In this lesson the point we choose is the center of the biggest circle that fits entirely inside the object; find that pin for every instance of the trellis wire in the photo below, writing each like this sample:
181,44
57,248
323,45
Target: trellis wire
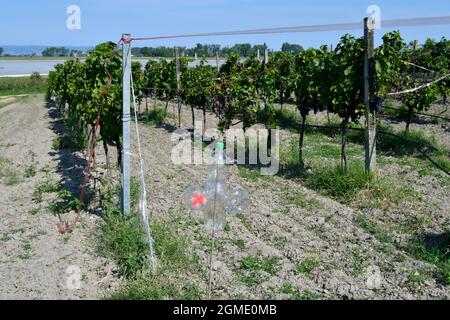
310,28
419,87
415,142
213,237
420,113
420,67
143,191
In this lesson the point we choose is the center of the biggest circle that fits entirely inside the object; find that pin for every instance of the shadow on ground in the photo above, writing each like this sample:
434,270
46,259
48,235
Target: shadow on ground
70,164
434,248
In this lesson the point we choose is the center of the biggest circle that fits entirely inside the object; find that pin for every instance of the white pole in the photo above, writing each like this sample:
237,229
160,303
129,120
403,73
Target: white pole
126,71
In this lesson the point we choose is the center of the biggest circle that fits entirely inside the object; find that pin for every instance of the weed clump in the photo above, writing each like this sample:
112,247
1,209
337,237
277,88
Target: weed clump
8,176
155,116
122,239
355,185
434,249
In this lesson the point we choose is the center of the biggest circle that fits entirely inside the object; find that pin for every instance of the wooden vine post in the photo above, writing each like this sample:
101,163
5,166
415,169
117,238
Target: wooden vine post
415,47
266,55
370,113
217,61
177,63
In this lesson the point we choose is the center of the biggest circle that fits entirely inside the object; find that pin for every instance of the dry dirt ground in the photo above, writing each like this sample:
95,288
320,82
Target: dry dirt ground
292,242
36,262
308,245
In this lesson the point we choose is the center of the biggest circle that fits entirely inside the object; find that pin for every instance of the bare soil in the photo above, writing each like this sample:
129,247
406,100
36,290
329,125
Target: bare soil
315,231
36,262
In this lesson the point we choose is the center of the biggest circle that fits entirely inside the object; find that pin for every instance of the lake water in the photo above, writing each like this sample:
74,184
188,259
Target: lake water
33,50
27,67
23,67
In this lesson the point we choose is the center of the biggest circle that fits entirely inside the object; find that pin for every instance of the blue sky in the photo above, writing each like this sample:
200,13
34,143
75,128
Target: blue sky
43,22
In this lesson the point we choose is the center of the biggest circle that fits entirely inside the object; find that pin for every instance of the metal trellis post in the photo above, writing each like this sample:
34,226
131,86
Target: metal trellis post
126,118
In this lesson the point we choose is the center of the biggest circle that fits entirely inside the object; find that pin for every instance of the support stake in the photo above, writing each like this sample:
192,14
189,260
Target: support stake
126,118
370,115
178,74
266,55
217,61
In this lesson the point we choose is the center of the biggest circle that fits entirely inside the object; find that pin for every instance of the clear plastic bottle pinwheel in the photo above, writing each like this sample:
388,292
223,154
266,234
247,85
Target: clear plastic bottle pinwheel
213,197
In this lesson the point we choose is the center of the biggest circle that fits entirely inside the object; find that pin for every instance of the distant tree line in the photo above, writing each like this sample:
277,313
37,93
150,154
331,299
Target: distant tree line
202,50
291,48
1,51
210,50
60,52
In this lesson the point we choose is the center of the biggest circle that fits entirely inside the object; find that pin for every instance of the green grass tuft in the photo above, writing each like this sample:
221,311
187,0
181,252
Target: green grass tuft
23,85
130,249
65,202
338,183
31,170
356,185
307,265
434,249
254,270
48,185
405,143
239,243
155,116
123,240
8,175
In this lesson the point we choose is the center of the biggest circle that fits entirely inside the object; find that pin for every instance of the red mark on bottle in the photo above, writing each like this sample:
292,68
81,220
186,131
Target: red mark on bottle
198,200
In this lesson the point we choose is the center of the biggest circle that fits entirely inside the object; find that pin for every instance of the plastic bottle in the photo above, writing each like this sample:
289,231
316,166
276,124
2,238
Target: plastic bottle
214,198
